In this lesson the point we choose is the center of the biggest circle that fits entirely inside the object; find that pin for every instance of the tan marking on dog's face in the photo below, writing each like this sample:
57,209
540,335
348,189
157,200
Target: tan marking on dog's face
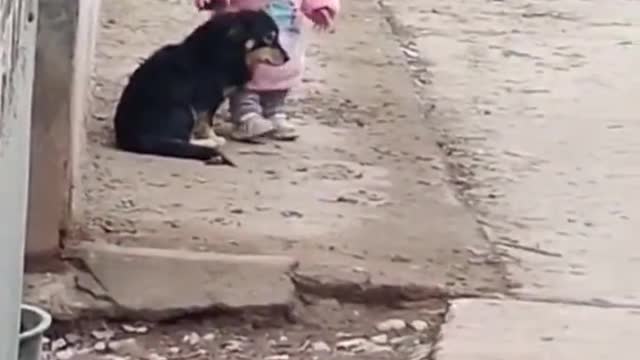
249,44
265,55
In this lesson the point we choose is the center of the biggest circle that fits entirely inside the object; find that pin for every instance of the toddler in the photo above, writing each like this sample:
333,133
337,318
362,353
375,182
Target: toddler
258,109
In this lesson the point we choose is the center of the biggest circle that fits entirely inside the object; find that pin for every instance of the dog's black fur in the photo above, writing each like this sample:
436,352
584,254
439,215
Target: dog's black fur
183,82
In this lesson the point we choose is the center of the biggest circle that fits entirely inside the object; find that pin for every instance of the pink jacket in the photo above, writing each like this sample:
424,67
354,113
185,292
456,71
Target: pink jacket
290,16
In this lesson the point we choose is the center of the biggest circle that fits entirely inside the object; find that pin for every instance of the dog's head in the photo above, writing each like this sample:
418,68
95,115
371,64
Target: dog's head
257,34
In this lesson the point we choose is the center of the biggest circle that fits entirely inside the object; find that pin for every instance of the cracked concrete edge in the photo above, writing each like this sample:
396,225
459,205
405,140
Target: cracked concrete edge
76,294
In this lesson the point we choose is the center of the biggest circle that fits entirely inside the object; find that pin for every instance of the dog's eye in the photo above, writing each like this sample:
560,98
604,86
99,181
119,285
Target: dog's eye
270,38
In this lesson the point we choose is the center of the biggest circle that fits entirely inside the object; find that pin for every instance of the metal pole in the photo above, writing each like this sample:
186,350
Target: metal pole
18,23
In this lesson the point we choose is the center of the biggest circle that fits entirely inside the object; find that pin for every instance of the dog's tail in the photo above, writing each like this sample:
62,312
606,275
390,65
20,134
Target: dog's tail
173,148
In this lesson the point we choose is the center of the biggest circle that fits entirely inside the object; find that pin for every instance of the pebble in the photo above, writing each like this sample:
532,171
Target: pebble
419,325
174,350
135,329
65,354
233,346
58,344
209,337
156,357
348,345
127,347
73,338
191,339
100,346
102,334
421,352
380,339
391,325
320,346
277,357
361,346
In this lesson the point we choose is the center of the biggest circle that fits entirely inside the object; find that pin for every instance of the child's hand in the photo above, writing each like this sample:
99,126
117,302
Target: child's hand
322,18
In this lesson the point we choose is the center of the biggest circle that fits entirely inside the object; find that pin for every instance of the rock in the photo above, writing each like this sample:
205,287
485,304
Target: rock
401,340
135,329
73,338
155,356
419,325
233,346
349,345
191,339
380,339
199,279
127,347
106,334
391,325
345,335
174,350
209,337
421,352
58,344
320,346
100,346
361,345
65,354
277,357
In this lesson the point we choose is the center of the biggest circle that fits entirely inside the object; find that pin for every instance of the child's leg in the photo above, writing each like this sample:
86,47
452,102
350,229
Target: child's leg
246,116
273,108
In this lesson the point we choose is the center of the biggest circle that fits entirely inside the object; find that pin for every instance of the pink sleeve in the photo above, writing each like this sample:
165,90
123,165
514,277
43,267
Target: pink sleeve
308,6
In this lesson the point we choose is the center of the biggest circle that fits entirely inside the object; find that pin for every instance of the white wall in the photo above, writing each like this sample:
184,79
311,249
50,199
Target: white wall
17,51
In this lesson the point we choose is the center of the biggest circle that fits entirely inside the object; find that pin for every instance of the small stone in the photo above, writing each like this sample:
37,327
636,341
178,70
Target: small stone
380,339
209,337
127,347
421,352
391,325
351,344
73,338
65,354
102,334
419,325
174,350
156,357
320,346
233,346
191,339
135,329
400,340
100,346
58,344
277,357
345,335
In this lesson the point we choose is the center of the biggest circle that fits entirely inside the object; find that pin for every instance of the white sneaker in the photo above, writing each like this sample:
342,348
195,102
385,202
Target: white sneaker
252,126
284,129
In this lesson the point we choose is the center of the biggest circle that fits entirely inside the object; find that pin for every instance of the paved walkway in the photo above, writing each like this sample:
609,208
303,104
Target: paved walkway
536,101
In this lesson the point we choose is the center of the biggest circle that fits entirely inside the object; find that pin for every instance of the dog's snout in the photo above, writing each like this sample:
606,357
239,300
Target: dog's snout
285,56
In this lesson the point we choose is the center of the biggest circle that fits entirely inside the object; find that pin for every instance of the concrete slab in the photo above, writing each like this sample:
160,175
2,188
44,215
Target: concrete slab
157,284
364,188
561,202
513,330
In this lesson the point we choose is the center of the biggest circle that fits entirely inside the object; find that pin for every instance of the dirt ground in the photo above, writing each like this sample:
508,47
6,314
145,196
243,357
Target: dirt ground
329,331
364,187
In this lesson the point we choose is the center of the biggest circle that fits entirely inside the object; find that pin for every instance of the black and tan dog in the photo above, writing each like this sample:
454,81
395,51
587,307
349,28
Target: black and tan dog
168,106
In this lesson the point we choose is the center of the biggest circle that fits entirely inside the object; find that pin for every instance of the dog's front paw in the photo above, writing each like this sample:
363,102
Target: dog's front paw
218,139
211,143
